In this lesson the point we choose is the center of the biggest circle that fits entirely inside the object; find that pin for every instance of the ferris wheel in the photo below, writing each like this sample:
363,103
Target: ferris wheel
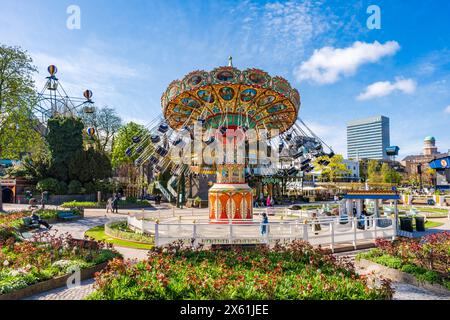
53,101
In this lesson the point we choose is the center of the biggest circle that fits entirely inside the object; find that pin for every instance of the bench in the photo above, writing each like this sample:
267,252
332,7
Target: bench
67,215
28,223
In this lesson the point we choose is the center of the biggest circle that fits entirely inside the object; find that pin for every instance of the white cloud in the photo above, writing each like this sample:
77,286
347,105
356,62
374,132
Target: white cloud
328,64
385,88
447,109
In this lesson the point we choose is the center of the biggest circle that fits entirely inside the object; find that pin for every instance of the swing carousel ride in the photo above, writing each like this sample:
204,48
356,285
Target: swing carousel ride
223,100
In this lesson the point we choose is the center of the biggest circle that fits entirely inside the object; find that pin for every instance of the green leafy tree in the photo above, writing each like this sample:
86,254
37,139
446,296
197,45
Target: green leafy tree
17,95
390,175
373,171
89,165
18,134
123,141
335,169
65,142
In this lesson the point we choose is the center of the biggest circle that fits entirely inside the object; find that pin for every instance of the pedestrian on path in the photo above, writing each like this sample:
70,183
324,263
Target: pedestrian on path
115,203
109,206
264,223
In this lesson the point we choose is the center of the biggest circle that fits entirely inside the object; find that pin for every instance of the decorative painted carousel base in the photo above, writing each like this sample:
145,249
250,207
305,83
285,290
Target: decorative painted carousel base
231,203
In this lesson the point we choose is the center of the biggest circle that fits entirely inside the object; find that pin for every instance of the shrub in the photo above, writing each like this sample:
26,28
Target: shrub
427,258
90,187
62,188
298,271
74,187
51,185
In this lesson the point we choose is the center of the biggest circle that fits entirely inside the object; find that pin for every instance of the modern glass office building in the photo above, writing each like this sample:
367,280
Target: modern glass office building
368,138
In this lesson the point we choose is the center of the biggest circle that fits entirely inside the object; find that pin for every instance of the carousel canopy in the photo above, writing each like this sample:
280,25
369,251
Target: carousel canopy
229,97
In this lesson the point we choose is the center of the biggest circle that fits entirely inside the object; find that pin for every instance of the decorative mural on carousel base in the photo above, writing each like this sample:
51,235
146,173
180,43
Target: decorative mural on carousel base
231,198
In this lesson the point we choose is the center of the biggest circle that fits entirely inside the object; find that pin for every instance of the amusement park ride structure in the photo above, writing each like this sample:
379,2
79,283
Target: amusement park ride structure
53,101
221,101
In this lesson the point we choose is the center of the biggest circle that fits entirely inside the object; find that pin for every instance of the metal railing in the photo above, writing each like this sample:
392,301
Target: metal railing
325,233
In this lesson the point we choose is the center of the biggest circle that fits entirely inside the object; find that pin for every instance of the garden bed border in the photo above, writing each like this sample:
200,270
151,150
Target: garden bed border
401,276
51,284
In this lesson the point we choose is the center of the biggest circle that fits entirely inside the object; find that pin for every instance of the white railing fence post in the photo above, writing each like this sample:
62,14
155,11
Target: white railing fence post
305,231
355,227
156,234
194,234
332,236
394,227
375,222
230,236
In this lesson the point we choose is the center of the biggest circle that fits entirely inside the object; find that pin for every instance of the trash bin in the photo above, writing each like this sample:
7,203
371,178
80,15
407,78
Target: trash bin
406,224
420,223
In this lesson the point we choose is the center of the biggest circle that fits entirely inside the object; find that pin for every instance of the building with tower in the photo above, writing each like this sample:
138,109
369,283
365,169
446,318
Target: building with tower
430,152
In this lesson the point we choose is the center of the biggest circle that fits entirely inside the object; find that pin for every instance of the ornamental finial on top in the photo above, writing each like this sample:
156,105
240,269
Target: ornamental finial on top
230,61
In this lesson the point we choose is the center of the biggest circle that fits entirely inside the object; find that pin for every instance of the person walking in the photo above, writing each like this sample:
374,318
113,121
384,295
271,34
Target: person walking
109,206
268,201
264,223
115,203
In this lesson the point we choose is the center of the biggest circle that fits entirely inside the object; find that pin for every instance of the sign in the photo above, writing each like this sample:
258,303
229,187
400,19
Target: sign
8,182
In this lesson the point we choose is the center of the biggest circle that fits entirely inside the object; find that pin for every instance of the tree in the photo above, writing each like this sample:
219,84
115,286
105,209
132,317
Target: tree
390,175
373,171
17,96
106,123
123,141
65,141
90,165
335,169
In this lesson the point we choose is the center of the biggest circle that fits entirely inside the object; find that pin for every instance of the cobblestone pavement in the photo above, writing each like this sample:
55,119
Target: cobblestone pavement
77,293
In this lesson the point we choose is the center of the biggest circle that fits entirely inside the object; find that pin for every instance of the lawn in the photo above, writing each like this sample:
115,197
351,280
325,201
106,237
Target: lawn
433,224
98,233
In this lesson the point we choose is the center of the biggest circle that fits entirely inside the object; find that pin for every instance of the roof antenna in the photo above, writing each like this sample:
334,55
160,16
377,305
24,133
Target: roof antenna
230,61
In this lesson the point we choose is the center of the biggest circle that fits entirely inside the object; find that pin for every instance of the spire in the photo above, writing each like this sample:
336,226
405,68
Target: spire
230,61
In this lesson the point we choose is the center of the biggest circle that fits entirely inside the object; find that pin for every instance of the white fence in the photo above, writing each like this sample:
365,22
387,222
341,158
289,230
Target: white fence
325,233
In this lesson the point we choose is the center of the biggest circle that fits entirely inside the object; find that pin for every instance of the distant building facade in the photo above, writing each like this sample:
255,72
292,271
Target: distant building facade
353,167
430,152
368,138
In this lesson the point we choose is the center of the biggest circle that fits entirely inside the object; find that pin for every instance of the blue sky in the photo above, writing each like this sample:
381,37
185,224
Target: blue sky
127,52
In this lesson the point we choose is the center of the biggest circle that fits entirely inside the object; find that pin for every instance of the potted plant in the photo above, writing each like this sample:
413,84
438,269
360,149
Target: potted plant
197,202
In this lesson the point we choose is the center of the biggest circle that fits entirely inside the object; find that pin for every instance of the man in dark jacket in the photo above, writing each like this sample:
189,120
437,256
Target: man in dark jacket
115,203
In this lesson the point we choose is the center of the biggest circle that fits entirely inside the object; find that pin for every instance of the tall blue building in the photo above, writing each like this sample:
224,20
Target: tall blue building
368,138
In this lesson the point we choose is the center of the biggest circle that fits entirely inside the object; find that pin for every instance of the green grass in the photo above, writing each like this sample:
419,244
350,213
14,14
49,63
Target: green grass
433,224
98,233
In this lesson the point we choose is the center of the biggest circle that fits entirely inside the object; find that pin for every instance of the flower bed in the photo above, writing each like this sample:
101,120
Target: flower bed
428,258
298,271
44,257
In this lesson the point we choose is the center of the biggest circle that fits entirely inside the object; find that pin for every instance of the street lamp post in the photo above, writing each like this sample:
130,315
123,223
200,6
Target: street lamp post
419,171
